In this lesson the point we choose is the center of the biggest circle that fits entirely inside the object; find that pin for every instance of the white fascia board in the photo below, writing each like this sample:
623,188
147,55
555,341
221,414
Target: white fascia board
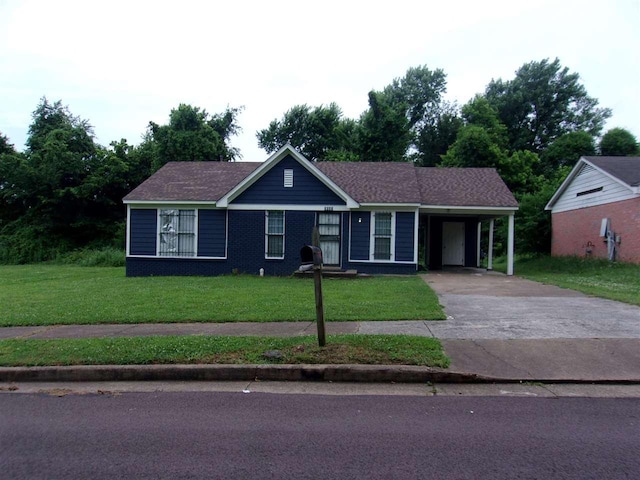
301,208
456,210
164,203
572,174
389,206
271,162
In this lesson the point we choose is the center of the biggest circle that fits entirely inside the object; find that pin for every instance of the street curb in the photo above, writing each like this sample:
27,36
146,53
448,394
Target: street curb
320,373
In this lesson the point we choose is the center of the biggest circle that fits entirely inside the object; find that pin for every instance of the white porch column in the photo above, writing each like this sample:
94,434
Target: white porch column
490,252
478,260
510,242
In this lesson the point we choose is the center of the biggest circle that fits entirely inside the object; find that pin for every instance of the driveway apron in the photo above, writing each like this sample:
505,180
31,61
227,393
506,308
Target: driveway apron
490,305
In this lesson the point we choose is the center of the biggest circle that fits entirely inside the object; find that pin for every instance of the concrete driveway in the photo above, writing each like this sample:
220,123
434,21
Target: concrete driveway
489,305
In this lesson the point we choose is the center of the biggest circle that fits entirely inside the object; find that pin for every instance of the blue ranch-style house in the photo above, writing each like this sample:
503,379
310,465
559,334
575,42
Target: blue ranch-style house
215,218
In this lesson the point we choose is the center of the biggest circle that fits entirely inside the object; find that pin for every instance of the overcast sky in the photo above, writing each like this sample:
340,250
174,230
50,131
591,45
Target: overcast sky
121,64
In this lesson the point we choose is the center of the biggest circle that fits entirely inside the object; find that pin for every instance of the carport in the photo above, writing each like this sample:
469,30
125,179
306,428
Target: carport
454,204
453,237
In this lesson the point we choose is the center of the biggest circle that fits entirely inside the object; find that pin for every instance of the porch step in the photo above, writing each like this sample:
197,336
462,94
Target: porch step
329,272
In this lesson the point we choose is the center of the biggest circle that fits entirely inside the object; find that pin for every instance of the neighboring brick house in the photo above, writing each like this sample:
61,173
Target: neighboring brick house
214,218
596,210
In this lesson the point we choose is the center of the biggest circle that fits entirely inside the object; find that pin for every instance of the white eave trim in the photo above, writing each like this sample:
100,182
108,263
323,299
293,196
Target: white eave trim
574,172
272,161
470,209
151,203
288,207
388,206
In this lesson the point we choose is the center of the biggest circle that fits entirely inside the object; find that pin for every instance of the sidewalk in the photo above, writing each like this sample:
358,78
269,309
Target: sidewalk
549,360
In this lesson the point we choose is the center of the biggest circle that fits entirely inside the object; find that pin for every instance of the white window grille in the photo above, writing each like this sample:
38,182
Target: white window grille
177,233
274,234
382,235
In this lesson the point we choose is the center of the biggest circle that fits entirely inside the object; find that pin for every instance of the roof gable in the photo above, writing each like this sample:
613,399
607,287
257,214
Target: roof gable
624,171
271,162
303,188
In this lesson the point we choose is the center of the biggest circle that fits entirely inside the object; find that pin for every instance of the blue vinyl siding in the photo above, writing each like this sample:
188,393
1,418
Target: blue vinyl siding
306,190
143,231
405,236
212,233
360,235
246,250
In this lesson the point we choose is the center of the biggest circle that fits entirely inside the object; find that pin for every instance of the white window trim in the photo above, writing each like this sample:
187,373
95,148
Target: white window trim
159,229
372,237
266,234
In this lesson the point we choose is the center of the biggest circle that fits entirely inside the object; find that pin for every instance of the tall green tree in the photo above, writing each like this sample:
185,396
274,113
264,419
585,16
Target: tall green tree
194,135
400,117
566,151
385,134
437,133
319,133
543,102
619,141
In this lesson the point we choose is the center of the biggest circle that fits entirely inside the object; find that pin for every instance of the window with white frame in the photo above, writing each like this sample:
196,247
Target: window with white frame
177,233
274,234
382,240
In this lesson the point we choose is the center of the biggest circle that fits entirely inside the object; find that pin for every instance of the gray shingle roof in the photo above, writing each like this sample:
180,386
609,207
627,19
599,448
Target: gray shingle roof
365,182
464,187
374,182
625,169
196,181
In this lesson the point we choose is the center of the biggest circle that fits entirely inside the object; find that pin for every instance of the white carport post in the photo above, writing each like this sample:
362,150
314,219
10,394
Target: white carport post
510,242
478,260
490,252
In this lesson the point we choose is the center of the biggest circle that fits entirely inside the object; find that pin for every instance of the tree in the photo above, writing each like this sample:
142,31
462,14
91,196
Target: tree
5,146
319,133
543,102
193,135
566,151
400,113
533,222
437,134
385,135
619,141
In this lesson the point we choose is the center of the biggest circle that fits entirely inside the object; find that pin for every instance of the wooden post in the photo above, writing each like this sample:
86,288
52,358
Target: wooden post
317,278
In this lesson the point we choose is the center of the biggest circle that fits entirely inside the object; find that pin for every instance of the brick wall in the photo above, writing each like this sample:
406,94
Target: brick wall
576,231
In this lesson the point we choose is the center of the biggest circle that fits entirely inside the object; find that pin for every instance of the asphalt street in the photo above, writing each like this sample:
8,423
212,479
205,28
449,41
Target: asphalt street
236,435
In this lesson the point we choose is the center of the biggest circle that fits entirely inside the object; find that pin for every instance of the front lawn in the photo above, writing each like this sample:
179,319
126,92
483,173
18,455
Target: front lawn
63,294
600,278
340,349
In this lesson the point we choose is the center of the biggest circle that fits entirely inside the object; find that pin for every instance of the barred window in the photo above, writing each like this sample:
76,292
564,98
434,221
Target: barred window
177,233
382,236
274,234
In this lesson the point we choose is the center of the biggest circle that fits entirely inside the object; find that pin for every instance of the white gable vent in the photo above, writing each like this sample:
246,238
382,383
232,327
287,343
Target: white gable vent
288,177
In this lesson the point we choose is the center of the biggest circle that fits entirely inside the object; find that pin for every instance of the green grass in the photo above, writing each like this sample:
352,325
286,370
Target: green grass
340,349
599,278
44,294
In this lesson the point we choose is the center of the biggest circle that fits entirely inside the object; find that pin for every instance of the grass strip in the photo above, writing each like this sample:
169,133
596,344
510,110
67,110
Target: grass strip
62,294
596,277
340,349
